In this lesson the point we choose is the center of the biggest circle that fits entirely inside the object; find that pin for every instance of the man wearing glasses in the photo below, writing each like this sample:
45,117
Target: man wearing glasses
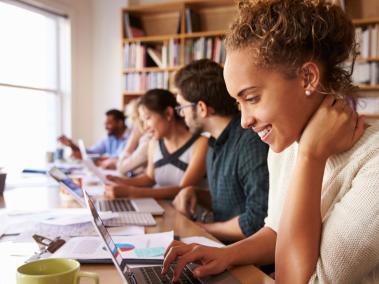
236,159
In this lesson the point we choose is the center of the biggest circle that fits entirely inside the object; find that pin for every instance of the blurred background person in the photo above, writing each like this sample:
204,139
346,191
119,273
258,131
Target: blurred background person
133,159
108,148
176,157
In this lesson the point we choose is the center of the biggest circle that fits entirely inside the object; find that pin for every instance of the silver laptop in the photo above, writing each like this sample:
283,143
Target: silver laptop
148,274
82,149
145,205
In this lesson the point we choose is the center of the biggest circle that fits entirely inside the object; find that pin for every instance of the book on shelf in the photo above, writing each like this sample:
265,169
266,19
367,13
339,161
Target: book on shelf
192,21
374,40
204,47
138,55
374,73
366,73
140,82
179,25
156,56
367,38
173,53
134,55
133,26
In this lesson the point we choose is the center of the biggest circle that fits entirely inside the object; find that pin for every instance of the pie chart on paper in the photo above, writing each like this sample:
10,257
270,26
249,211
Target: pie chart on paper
122,248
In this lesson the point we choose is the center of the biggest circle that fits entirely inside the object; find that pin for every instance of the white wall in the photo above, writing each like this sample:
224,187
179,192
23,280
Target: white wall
107,86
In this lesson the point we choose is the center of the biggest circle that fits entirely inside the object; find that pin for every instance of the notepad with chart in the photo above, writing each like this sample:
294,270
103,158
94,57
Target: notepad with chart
141,249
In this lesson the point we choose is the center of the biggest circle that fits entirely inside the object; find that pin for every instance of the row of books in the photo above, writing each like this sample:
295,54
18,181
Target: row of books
136,82
367,38
211,48
137,55
366,73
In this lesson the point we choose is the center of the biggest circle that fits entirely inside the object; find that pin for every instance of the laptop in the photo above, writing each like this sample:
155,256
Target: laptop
148,274
82,149
143,205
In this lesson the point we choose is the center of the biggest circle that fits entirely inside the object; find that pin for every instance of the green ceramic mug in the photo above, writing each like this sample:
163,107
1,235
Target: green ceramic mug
54,270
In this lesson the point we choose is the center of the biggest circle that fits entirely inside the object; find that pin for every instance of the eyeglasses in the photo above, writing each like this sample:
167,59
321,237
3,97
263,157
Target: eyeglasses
179,109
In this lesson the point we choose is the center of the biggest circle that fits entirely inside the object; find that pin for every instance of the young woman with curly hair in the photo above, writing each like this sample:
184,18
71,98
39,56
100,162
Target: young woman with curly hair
284,68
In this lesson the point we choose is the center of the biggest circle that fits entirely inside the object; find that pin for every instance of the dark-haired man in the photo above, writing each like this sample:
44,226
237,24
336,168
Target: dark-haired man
110,147
236,160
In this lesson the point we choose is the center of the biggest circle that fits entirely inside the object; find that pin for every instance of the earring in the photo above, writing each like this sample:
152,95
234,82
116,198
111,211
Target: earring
308,93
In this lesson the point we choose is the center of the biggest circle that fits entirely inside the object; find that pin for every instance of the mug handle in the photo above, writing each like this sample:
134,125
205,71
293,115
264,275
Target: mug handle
92,275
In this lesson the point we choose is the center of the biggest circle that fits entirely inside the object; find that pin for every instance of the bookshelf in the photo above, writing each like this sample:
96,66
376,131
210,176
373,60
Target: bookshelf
158,39
365,15
180,31
366,71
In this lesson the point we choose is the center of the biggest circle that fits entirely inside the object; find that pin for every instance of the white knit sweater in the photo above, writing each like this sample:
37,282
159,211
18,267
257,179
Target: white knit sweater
349,208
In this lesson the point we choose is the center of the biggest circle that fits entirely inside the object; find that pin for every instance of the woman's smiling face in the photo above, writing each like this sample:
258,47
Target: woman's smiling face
271,104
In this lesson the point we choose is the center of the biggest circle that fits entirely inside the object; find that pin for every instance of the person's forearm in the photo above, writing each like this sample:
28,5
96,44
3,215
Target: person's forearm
132,162
142,180
258,249
226,231
74,147
300,225
157,193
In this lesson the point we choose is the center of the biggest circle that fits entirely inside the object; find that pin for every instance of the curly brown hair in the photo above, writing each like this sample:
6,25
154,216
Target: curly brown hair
288,33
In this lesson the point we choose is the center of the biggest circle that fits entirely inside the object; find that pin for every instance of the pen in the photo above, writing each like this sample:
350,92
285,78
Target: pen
9,235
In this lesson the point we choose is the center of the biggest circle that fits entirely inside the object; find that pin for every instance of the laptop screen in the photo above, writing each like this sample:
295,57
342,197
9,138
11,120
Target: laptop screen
61,177
105,234
82,149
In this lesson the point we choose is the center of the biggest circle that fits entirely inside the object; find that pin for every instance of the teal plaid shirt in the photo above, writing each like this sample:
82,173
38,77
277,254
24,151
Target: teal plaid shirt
238,177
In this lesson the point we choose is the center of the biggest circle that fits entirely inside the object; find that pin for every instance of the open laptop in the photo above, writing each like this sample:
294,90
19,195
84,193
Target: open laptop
146,205
148,274
82,149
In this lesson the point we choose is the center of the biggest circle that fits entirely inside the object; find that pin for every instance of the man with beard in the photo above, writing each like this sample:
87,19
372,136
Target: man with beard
236,159
108,148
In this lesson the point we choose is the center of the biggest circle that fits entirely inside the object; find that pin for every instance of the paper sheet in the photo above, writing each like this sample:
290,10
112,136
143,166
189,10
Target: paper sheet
149,246
71,218
95,190
77,230
155,242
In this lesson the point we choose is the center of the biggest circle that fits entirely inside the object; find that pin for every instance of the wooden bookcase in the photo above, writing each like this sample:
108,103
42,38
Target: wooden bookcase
368,97
365,15
165,27
166,23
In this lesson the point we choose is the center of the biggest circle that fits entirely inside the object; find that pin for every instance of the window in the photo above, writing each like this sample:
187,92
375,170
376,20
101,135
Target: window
34,59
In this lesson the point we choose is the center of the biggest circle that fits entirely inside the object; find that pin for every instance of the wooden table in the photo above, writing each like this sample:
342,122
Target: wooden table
50,197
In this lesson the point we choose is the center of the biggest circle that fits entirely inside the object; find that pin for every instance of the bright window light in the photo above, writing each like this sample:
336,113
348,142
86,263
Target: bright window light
31,94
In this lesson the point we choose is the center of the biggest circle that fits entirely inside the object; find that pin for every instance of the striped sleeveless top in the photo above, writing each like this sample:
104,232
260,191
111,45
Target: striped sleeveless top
169,168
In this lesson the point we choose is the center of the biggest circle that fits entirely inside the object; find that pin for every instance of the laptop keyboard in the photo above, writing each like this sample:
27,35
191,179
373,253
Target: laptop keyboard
115,205
153,275
131,218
